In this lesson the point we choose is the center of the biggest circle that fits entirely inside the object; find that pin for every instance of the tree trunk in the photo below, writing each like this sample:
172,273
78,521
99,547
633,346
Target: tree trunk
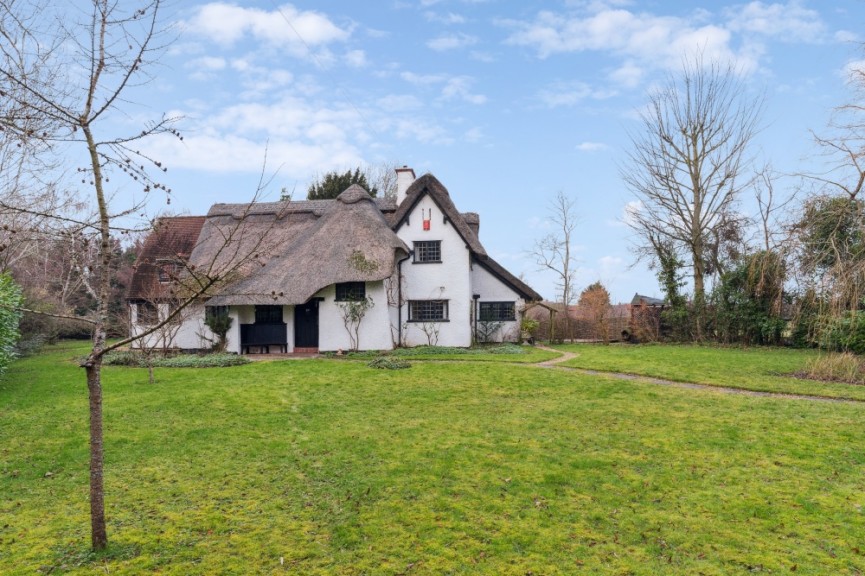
98,535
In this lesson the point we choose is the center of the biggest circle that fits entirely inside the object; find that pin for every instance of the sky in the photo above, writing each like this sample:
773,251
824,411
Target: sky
507,103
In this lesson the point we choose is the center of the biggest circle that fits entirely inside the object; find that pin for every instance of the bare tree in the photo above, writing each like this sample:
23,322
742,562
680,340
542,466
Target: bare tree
554,252
70,78
689,163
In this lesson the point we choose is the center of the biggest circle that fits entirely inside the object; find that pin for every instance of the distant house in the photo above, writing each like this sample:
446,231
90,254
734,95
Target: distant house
645,319
416,262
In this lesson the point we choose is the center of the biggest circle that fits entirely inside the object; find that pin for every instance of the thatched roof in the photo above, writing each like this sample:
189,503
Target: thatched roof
284,252
172,241
350,242
429,185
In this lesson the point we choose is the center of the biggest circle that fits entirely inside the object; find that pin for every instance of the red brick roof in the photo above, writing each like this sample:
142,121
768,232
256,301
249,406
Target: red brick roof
171,240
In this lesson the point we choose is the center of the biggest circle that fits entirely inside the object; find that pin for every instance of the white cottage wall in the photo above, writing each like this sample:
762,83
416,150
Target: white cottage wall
374,332
446,280
491,289
192,333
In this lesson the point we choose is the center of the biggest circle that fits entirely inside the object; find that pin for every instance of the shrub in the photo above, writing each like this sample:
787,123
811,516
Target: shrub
844,333
136,360
843,367
10,301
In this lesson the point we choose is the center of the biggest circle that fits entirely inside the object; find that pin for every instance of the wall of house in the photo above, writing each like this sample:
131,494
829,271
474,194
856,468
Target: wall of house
374,330
491,289
449,280
190,334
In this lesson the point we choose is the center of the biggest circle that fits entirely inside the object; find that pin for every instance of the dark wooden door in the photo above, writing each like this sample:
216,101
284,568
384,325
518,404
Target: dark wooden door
306,325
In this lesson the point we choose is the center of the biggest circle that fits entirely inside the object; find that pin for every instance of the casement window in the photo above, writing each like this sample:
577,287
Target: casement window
496,312
427,310
350,291
428,251
167,271
148,313
215,312
268,314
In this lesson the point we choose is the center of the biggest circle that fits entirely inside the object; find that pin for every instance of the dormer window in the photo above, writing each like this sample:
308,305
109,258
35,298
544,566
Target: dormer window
167,271
427,251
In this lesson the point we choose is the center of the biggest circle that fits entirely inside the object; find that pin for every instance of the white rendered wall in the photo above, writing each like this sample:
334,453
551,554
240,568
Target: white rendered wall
449,280
374,332
491,289
191,334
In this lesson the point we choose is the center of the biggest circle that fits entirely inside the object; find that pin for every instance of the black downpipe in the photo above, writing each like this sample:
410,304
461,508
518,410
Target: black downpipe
399,298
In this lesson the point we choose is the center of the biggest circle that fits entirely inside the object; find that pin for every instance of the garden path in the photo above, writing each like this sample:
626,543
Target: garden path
565,356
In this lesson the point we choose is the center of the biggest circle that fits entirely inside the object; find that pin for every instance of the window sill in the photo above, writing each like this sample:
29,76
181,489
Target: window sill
426,321
426,262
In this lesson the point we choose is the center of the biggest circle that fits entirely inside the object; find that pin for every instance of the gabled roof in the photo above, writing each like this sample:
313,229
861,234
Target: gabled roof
499,271
428,184
639,299
172,240
350,242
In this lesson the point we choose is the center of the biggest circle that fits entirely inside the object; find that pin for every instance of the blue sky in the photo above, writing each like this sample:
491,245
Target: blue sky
505,102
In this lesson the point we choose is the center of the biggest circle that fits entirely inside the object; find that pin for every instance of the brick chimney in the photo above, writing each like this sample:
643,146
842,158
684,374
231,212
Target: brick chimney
404,177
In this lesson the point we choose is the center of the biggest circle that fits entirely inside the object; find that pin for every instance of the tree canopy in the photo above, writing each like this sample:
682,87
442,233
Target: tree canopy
334,183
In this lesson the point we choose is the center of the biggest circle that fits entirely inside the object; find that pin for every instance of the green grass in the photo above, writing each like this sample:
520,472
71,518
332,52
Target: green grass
484,353
469,468
760,369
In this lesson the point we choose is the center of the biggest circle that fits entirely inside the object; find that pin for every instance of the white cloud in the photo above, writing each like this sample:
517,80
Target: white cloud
205,67
628,74
207,63
611,267
285,26
400,102
356,58
482,56
643,40
853,71
449,18
474,135
305,136
846,36
789,22
454,88
460,88
422,79
591,146
569,94
451,42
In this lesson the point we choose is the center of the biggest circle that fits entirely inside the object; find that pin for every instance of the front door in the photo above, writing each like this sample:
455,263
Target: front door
306,325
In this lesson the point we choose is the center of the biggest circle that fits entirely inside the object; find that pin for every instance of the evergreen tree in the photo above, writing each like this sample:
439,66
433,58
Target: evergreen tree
333,184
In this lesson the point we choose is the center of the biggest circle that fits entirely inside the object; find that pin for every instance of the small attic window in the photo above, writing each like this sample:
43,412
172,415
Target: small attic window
167,271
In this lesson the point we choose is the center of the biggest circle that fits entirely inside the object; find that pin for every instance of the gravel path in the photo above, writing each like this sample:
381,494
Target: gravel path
565,356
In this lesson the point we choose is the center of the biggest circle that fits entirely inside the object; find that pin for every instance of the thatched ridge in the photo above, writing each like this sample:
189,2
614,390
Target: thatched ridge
350,242
428,184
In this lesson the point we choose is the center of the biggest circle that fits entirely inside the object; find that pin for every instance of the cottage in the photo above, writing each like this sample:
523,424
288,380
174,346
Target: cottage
355,272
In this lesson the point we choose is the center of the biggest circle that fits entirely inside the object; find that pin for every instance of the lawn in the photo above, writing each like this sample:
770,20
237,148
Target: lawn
331,467
761,369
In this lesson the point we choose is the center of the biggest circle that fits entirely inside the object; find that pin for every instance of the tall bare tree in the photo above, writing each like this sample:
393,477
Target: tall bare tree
554,252
689,163
70,78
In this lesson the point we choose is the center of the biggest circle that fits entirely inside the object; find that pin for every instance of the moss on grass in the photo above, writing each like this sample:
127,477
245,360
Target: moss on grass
326,467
